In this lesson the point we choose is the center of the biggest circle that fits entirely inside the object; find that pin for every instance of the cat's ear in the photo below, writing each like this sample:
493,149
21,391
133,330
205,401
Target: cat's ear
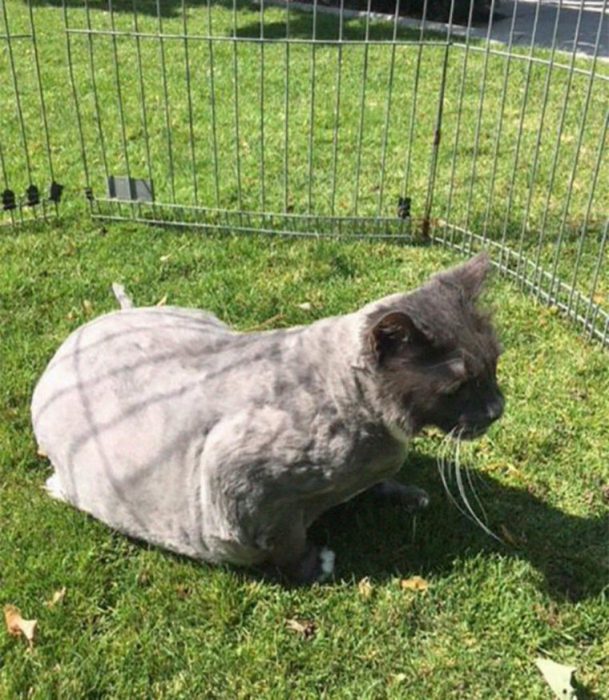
470,276
393,333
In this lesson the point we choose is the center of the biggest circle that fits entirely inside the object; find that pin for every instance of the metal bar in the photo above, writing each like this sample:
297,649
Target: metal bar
437,136
262,163
236,105
334,42
92,71
537,60
5,178
83,151
360,135
140,72
166,96
212,97
119,94
482,94
286,107
177,36
388,109
415,93
499,128
191,129
339,71
43,110
459,111
18,107
258,229
312,107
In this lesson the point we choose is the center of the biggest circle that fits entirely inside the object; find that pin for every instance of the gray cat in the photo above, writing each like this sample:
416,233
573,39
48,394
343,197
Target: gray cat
224,446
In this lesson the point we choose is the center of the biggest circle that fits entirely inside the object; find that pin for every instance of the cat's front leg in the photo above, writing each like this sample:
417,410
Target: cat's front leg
412,498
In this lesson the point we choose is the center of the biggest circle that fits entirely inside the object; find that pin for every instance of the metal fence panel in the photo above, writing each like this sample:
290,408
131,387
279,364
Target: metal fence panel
312,119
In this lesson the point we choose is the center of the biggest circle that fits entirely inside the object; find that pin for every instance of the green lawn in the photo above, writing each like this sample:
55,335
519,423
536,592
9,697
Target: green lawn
137,622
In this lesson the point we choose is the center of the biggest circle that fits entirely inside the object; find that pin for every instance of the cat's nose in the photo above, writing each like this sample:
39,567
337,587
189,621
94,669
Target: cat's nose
495,408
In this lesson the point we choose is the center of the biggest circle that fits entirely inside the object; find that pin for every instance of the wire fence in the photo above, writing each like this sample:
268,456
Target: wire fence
312,119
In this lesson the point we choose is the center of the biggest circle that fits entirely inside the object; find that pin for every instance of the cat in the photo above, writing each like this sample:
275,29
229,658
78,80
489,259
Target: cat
225,446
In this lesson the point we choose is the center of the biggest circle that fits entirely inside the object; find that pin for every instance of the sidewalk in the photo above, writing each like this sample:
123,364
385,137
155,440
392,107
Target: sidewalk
591,16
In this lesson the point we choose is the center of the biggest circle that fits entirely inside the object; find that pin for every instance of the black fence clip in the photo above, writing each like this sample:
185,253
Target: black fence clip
8,200
32,196
55,191
404,207
89,194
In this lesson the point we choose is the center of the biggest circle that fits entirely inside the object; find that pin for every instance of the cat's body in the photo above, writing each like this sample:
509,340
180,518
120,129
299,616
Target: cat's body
225,446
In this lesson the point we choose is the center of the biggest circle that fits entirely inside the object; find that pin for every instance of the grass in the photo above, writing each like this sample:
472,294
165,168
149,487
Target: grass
137,622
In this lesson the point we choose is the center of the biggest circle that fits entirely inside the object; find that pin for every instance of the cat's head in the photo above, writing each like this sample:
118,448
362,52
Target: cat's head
434,354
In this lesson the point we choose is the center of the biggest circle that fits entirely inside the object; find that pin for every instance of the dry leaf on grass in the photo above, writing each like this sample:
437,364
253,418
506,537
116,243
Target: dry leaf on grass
306,628
17,626
305,306
365,588
415,583
558,677
56,598
88,307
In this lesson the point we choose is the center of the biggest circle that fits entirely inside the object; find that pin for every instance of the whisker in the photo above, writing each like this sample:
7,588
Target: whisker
462,492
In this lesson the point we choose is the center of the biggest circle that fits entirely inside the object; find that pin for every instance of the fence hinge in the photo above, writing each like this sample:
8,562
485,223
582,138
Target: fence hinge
404,207
8,200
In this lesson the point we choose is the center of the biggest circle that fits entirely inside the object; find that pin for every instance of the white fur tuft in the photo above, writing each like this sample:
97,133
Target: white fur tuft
328,558
53,488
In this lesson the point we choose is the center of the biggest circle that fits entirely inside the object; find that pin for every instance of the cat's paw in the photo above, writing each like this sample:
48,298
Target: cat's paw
411,498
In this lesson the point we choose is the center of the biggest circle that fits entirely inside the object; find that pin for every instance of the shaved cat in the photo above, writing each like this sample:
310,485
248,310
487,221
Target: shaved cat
224,446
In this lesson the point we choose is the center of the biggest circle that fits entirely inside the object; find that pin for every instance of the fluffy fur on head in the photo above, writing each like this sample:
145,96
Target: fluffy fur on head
435,353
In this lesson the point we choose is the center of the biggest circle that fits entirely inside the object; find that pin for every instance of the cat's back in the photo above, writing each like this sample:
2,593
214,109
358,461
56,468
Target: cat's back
119,365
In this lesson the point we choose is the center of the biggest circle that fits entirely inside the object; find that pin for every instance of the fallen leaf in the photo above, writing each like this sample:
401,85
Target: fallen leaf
162,302
41,453
17,626
365,588
598,298
415,583
558,677
87,306
165,258
305,306
57,597
306,628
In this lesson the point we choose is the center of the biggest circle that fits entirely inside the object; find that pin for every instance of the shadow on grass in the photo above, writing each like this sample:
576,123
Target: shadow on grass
375,539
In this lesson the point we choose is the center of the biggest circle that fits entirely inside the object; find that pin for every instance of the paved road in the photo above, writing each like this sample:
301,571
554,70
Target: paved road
566,35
